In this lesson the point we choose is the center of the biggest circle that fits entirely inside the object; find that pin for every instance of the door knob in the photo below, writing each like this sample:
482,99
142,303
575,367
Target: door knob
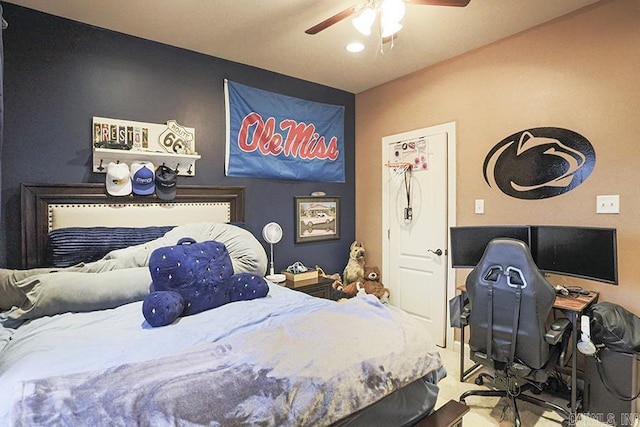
437,251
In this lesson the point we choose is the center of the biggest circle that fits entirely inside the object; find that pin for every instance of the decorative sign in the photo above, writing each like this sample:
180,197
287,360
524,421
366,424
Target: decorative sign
539,163
172,145
137,136
411,151
177,139
276,136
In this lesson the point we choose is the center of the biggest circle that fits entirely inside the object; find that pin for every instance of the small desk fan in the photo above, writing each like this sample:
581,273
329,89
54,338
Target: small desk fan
272,233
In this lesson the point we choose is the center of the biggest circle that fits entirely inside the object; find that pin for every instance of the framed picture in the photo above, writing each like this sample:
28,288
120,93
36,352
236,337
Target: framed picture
317,218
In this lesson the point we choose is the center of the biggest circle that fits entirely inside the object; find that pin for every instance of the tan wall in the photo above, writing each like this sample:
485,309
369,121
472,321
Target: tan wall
580,72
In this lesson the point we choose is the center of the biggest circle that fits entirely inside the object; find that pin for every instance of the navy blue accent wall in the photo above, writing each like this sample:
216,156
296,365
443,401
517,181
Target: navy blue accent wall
59,74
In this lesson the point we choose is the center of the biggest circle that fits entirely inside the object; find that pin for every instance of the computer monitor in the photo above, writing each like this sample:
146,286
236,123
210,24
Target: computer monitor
468,242
584,252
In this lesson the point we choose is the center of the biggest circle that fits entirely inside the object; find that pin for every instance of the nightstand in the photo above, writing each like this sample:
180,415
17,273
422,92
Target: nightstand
319,287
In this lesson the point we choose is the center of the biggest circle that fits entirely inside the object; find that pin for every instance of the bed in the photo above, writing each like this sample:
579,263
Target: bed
287,359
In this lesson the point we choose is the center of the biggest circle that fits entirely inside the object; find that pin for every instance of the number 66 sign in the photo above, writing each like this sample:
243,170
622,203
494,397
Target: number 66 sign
176,139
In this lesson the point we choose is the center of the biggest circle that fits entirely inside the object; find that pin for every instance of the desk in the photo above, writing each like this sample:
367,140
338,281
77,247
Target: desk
572,307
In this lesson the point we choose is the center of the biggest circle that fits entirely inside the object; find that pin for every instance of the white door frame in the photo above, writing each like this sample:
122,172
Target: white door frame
450,129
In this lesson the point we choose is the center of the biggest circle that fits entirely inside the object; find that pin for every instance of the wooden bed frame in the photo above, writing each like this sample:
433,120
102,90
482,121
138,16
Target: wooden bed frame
46,207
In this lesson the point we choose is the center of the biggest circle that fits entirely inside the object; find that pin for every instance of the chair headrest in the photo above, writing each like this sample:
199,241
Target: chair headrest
510,258
513,274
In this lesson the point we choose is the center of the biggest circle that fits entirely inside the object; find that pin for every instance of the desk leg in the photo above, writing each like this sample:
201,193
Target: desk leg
463,373
462,354
574,369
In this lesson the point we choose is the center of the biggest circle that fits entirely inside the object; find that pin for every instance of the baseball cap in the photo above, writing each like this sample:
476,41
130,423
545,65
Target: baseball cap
118,181
166,183
142,178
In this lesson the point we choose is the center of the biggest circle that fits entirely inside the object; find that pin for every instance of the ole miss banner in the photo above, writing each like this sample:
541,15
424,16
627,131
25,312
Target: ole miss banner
277,136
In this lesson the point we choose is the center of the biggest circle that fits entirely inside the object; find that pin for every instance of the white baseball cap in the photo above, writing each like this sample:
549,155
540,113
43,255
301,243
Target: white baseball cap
118,181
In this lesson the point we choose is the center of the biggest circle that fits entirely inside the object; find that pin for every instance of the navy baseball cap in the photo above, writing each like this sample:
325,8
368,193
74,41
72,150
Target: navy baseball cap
166,183
142,178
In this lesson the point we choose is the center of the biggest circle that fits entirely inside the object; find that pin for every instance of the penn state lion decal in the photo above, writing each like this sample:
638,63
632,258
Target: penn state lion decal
539,163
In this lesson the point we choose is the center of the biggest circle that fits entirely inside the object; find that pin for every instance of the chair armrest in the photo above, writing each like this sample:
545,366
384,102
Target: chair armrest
557,329
464,316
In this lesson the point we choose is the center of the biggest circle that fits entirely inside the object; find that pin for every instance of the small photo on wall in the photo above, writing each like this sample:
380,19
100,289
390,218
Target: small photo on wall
317,219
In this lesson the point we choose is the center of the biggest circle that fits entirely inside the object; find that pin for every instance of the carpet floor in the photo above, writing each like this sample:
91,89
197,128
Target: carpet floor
495,411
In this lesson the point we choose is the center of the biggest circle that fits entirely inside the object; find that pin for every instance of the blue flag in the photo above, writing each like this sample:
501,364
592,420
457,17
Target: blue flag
277,136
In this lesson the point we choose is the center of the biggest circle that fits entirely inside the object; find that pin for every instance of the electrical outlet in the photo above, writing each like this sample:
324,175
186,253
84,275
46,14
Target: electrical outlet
479,206
608,204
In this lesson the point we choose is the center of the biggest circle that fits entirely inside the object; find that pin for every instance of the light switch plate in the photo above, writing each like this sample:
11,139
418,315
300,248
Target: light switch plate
479,206
608,204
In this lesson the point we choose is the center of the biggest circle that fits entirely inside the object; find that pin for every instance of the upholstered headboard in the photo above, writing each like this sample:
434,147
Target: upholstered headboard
47,207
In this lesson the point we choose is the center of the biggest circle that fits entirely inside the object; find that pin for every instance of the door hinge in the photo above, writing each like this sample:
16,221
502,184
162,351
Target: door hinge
388,234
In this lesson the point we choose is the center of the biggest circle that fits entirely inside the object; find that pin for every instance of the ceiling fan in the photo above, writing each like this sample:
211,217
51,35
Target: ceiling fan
367,12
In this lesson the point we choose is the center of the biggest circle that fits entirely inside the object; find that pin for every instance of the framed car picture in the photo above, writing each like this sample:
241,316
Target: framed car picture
317,218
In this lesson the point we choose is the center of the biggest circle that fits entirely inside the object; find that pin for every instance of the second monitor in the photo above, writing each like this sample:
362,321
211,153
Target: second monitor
584,252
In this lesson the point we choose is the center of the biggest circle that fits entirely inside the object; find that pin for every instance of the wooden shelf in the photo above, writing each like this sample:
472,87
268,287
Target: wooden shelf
184,163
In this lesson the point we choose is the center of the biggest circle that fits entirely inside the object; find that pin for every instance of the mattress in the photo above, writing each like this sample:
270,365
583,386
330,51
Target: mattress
286,359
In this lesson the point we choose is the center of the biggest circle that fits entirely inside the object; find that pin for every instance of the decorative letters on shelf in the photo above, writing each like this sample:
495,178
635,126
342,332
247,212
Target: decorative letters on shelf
126,141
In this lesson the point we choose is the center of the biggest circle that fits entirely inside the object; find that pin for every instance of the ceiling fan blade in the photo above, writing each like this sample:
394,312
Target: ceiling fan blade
455,3
332,20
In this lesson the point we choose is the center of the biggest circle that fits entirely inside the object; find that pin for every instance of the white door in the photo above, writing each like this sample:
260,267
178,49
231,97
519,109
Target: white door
416,205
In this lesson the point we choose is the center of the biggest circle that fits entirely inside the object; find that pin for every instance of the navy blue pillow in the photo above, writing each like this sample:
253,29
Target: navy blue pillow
198,271
73,245
246,286
162,308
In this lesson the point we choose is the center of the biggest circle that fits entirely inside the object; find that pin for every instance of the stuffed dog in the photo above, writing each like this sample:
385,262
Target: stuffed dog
354,271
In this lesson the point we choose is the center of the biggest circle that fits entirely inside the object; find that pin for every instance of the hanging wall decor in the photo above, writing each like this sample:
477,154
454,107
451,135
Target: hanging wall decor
126,141
276,136
317,218
539,163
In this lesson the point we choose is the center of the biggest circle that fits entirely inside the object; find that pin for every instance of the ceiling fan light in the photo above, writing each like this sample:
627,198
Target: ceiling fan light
393,10
355,47
364,21
390,28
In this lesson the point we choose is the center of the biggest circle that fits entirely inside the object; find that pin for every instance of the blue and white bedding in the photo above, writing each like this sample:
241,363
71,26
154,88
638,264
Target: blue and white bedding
283,360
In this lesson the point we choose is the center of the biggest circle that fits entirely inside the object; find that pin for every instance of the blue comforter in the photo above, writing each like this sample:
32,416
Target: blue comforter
284,360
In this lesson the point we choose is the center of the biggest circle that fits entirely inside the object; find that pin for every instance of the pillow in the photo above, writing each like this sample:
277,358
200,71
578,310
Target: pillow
68,291
247,286
197,271
10,295
74,245
163,307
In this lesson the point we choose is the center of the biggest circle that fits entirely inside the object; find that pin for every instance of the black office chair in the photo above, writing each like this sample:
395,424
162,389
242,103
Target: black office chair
509,306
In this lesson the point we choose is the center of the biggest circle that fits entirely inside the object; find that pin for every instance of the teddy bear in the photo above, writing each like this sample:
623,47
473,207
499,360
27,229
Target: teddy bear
179,289
372,285
369,285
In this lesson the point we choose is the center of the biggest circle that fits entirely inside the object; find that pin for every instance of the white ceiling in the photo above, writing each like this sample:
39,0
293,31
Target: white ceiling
269,34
